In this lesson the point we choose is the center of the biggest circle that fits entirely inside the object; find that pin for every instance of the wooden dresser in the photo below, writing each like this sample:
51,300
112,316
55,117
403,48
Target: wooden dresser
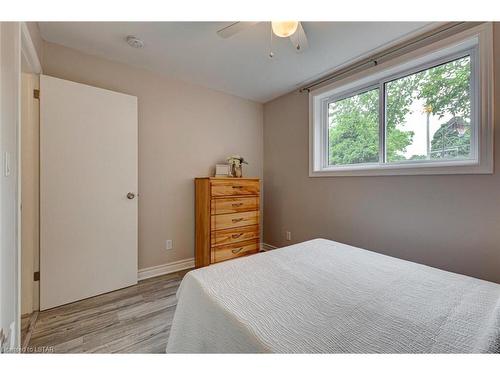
227,218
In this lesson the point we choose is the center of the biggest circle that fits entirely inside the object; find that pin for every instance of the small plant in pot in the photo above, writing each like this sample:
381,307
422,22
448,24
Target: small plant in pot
236,162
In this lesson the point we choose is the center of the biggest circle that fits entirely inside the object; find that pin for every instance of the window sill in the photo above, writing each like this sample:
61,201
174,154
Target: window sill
402,169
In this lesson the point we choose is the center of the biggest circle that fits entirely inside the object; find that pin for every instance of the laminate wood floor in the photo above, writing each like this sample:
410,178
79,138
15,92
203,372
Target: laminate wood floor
136,319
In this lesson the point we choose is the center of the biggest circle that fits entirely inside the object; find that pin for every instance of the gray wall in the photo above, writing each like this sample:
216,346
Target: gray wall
449,222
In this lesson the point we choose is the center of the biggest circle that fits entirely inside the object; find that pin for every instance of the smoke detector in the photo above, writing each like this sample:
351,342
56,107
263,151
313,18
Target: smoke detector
135,42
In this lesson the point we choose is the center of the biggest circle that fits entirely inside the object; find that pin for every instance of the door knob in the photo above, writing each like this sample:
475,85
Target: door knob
130,195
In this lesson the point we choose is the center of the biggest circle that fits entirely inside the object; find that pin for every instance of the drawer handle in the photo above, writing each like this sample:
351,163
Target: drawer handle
237,187
236,251
237,220
237,235
237,204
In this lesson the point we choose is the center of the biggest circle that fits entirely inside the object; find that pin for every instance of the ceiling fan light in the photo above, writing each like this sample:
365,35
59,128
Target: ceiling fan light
284,29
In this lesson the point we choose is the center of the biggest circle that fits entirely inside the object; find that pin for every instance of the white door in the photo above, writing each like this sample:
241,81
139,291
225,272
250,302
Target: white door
88,191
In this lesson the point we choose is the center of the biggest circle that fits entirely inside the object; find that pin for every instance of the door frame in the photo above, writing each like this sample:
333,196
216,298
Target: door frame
29,63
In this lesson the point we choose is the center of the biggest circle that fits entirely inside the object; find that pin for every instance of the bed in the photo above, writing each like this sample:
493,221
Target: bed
322,296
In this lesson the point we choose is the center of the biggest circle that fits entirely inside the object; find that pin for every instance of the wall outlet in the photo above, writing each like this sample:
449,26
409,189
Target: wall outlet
169,244
288,235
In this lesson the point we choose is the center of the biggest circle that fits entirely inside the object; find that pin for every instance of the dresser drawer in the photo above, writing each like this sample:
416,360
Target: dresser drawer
232,235
221,188
239,219
225,252
226,218
233,205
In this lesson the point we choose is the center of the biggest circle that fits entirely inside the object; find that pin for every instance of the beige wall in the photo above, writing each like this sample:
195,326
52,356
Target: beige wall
184,130
36,38
9,184
450,222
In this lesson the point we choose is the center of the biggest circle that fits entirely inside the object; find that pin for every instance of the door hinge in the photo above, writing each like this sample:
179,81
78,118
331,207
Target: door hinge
36,94
36,276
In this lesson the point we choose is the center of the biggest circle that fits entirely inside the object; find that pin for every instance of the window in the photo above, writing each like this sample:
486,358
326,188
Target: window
428,113
353,127
418,116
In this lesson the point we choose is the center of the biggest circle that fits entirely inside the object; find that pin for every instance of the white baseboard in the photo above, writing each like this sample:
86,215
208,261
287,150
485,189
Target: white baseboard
163,269
266,247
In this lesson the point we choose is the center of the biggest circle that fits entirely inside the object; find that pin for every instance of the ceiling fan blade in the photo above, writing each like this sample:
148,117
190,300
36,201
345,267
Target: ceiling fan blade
299,39
234,28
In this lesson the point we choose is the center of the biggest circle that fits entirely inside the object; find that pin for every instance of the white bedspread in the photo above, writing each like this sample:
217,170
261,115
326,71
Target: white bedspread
321,296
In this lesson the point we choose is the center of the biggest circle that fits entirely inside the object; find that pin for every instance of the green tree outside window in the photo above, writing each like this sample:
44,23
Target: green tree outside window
444,90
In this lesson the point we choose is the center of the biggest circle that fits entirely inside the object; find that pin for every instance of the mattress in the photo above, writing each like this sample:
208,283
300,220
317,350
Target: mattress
322,296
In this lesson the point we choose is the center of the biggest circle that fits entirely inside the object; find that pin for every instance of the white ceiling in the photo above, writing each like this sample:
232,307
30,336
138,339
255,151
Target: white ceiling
192,51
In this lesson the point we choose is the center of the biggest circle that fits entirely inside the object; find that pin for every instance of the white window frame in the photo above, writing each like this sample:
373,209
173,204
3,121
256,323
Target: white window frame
476,42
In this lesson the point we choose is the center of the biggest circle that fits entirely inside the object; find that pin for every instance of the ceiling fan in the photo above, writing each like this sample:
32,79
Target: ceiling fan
282,29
